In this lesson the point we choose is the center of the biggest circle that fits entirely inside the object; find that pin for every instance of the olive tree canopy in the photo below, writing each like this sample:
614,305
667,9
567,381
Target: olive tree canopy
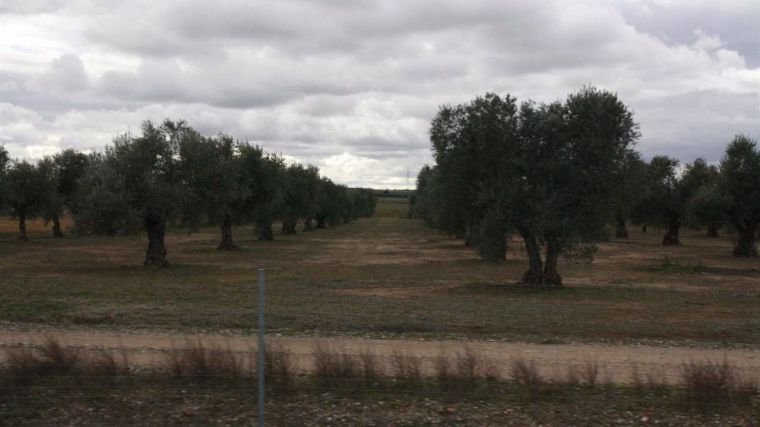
137,184
740,182
546,171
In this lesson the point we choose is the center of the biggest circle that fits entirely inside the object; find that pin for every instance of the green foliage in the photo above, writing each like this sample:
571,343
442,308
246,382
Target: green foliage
492,237
668,193
137,180
27,187
548,171
102,204
300,195
333,201
708,205
662,201
740,182
266,173
629,187
4,160
52,203
70,166
364,202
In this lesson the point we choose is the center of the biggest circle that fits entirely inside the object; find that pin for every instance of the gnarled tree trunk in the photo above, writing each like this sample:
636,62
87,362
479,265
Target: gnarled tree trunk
535,273
712,230
745,245
155,254
22,227
621,232
226,244
57,227
308,225
671,238
264,231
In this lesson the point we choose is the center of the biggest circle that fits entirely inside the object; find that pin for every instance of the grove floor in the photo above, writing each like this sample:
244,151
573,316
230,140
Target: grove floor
383,277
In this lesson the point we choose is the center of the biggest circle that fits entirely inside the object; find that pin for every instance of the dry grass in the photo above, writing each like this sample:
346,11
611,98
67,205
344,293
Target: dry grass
525,373
406,369
710,384
197,362
462,371
335,368
373,371
34,227
278,365
587,374
49,359
200,362
53,360
706,386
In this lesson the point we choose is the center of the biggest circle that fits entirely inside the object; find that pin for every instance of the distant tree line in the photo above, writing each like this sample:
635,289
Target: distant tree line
558,174
172,174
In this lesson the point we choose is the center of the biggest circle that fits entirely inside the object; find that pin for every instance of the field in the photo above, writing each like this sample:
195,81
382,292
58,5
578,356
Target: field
634,319
386,276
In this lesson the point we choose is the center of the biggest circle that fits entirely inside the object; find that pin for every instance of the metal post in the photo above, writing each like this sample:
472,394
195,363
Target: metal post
261,346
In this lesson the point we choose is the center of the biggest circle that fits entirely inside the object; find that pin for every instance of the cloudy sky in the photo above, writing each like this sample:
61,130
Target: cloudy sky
351,85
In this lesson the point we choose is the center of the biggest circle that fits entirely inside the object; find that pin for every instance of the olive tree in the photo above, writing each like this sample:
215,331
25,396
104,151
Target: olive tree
740,182
546,171
664,202
62,173
265,175
301,185
669,192
364,202
4,159
628,192
137,183
569,156
221,194
708,207
26,190
334,203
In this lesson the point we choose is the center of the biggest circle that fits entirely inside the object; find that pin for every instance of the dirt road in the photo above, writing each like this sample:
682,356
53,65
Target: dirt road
616,363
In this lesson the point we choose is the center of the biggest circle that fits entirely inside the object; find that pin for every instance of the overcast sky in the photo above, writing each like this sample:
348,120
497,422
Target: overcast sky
351,86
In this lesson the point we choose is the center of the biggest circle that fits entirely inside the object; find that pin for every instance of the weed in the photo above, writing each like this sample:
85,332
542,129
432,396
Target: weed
371,368
708,383
335,369
197,363
589,373
278,365
526,375
49,359
406,369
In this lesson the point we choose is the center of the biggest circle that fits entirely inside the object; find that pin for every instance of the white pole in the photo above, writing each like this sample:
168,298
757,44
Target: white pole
261,346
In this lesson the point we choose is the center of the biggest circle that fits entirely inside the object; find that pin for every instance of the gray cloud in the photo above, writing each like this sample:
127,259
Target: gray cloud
351,86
